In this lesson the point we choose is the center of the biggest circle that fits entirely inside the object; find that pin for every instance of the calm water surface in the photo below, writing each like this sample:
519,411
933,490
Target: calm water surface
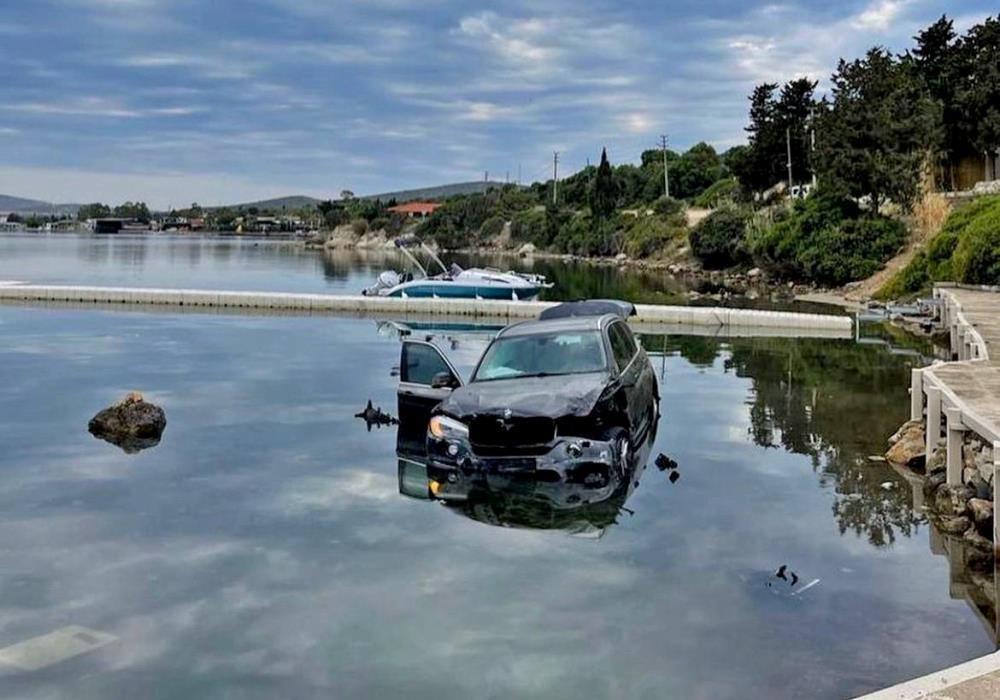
221,262
264,550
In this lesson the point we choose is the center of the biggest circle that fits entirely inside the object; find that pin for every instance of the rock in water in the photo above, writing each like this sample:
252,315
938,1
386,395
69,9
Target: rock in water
132,424
953,500
954,525
908,446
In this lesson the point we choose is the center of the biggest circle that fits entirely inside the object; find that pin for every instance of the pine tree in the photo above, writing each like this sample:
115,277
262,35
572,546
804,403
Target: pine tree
605,193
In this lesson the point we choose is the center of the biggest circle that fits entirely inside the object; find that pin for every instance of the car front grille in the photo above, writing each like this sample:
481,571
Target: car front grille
494,435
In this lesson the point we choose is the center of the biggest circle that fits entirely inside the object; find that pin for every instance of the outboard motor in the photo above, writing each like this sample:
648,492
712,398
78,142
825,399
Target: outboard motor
386,280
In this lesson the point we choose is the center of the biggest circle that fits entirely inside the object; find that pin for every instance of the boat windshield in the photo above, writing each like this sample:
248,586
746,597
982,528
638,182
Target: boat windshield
542,355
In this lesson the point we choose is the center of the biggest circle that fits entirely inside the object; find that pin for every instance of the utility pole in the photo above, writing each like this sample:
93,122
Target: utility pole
518,174
812,146
666,166
555,177
788,145
506,178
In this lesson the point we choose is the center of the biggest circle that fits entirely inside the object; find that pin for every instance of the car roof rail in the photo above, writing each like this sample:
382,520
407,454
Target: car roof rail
589,307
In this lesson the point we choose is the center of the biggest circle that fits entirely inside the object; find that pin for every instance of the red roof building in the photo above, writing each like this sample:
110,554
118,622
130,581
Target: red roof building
412,209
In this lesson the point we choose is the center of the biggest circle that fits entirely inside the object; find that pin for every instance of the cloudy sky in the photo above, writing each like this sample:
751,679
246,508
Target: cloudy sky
174,101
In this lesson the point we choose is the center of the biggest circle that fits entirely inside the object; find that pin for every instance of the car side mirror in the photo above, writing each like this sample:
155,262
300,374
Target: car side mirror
444,380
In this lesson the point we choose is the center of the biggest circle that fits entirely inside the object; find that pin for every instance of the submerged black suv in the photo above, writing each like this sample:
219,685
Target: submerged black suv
563,398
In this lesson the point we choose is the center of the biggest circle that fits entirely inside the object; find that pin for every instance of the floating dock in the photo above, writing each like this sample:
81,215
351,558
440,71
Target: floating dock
821,325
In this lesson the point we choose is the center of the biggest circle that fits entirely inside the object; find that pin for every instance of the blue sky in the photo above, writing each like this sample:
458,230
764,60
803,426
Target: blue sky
174,101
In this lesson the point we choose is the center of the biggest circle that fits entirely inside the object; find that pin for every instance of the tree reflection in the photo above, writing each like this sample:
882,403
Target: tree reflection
833,401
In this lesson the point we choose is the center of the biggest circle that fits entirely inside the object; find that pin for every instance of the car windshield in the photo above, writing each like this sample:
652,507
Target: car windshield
544,354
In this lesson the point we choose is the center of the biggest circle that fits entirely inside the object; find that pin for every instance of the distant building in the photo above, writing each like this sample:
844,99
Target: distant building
964,170
415,209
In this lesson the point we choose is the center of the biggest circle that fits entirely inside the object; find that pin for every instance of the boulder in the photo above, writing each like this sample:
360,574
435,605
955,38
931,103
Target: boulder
527,249
953,500
977,541
132,424
908,446
954,524
982,510
755,273
933,481
621,257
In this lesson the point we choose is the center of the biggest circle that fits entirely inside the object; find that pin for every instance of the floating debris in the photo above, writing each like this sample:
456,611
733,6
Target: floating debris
375,416
877,458
663,463
48,649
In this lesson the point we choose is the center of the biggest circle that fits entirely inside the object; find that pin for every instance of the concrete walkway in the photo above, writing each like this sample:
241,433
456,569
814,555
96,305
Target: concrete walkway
965,394
974,680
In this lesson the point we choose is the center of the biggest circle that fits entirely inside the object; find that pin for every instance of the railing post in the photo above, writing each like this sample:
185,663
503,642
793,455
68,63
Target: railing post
916,394
956,439
932,431
996,495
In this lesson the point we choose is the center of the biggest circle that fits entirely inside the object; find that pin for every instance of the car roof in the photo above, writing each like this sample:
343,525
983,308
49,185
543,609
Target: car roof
574,323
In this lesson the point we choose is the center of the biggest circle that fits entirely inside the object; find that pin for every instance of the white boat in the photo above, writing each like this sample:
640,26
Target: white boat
454,282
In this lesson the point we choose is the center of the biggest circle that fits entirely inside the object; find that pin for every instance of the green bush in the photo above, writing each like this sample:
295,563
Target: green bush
718,239
852,250
721,191
491,228
966,249
359,226
977,255
645,236
824,239
668,206
531,226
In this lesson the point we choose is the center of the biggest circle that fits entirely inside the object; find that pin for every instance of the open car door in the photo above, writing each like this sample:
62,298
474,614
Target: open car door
426,378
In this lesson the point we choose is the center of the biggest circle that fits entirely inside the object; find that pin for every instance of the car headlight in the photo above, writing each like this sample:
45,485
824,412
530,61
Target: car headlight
445,428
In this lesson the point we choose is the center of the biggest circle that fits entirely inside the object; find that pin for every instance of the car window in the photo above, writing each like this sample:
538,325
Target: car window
622,344
420,363
569,352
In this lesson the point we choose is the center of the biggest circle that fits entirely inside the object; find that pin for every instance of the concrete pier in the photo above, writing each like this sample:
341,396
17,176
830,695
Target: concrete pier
966,392
697,316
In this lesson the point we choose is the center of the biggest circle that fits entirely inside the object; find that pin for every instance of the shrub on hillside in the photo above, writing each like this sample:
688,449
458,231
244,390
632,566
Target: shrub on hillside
359,227
824,239
977,255
852,250
668,206
718,239
530,226
725,190
645,236
967,249
491,228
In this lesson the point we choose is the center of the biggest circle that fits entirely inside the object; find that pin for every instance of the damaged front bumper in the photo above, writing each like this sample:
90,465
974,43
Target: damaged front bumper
589,466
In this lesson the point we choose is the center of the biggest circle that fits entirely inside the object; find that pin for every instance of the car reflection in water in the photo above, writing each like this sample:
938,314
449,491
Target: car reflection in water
582,508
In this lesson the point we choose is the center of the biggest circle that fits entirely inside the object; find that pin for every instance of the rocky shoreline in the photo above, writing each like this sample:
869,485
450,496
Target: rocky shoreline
964,511
714,285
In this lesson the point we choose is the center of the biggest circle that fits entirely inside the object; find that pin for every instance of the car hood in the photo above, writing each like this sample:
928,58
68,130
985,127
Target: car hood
547,397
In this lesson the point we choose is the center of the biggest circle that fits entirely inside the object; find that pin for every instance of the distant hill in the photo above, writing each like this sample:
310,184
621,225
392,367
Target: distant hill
439,192
21,205
295,201
290,203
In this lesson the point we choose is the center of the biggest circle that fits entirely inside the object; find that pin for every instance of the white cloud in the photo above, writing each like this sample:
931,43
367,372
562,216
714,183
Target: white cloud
879,15
83,106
